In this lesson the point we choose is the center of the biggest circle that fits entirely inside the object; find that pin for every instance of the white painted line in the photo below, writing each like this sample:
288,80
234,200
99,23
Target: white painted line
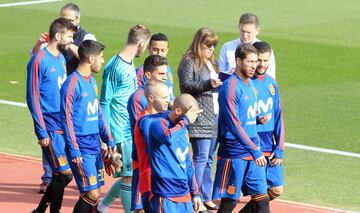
13,103
328,151
312,206
27,3
297,146
21,157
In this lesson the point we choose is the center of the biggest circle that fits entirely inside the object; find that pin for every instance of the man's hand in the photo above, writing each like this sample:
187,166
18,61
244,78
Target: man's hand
276,161
44,142
112,161
44,38
264,119
193,114
216,83
197,204
261,161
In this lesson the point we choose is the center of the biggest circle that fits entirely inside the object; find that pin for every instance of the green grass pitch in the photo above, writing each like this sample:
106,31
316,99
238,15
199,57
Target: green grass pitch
317,49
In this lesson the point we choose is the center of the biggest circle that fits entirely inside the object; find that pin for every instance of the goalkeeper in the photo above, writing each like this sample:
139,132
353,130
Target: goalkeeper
82,121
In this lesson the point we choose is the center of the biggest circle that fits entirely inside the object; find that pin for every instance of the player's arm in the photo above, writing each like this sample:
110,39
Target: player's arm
33,83
186,78
279,131
109,80
42,41
104,131
193,186
140,75
135,106
74,49
227,101
68,94
163,133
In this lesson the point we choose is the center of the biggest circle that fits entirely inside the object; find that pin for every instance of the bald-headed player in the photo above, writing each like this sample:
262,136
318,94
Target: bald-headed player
173,182
158,100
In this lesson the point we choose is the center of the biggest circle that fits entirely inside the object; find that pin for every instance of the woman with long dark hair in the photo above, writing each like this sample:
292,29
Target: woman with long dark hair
195,78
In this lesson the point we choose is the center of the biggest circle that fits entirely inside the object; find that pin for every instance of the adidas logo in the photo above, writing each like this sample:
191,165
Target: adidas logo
53,69
85,94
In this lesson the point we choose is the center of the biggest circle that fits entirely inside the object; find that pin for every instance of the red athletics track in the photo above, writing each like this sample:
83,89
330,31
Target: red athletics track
20,179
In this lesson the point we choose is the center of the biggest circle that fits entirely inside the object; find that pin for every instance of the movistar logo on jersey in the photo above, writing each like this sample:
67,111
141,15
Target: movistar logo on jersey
61,80
92,109
251,114
265,107
252,111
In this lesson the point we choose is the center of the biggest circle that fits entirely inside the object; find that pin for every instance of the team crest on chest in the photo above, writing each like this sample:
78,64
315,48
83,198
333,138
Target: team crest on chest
255,92
171,77
64,66
96,90
187,137
272,89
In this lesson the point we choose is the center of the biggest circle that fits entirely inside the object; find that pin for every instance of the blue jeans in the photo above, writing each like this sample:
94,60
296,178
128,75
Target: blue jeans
204,154
46,177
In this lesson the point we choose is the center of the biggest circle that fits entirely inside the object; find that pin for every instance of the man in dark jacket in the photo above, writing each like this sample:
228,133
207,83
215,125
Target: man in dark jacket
71,12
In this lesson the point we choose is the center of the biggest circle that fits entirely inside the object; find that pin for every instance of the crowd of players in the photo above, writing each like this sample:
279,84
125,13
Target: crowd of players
136,130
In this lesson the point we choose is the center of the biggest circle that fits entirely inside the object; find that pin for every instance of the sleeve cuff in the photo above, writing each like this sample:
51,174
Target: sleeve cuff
110,144
42,134
186,119
75,154
278,154
256,154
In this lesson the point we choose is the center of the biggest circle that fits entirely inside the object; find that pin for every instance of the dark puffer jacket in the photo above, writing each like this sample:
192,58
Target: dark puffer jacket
197,83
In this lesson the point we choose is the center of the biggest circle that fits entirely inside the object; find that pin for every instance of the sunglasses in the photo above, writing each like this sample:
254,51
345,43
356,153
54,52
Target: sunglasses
211,45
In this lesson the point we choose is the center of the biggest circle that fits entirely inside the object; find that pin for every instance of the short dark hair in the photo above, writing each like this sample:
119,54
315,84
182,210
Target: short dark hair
243,50
249,18
71,6
153,61
158,37
88,48
138,33
60,25
262,47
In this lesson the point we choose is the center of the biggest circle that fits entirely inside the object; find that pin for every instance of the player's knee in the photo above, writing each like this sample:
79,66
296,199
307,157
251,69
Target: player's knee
126,180
93,194
278,189
65,178
275,192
